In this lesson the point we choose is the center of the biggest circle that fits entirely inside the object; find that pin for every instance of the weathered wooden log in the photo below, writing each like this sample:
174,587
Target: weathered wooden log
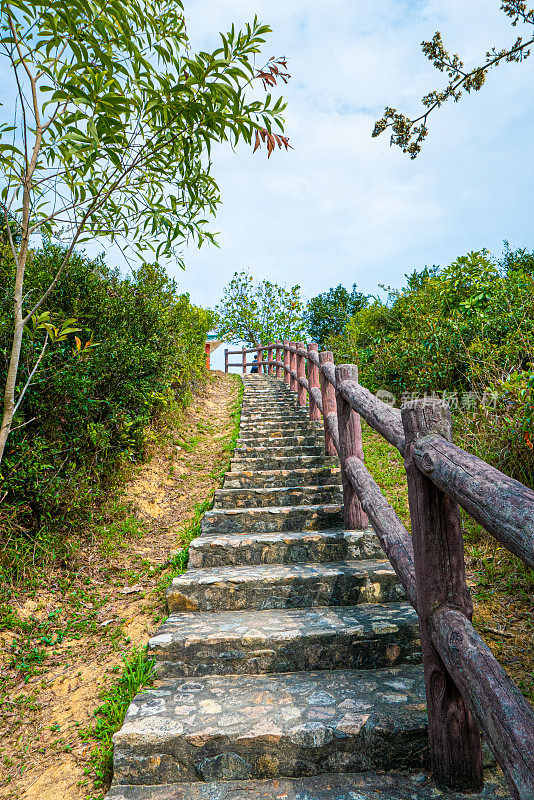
269,360
394,538
313,357
383,418
317,399
313,380
303,384
350,446
503,713
293,365
500,504
331,423
453,732
328,370
287,362
277,360
301,373
243,361
328,396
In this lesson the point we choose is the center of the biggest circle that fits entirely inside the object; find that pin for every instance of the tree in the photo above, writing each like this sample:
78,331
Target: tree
409,134
329,312
259,313
112,131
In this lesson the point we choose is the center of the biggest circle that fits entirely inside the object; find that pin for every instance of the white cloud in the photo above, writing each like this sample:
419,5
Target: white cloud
342,207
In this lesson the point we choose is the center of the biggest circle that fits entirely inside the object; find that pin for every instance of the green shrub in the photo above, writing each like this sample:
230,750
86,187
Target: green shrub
85,415
466,329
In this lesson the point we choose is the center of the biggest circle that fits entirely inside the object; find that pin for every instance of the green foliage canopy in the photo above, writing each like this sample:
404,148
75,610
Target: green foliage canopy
258,313
116,118
85,416
465,330
329,312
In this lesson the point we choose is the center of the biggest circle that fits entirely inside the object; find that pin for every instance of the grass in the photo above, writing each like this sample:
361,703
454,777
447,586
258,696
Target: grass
137,672
502,586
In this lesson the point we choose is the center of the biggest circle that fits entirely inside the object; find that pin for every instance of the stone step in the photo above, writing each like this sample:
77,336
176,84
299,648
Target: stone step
284,548
344,583
266,440
281,725
277,518
280,496
267,452
275,416
282,477
298,429
333,786
289,640
282,462
279,406
254,401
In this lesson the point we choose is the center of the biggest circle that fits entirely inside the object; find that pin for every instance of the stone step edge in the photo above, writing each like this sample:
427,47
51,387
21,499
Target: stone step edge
253,633
330,786
214,550
281,510
266,489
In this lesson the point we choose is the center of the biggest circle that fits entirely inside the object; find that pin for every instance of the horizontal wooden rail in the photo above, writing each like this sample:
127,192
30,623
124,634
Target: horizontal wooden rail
492,697
507,511
394,538
383,418
466,686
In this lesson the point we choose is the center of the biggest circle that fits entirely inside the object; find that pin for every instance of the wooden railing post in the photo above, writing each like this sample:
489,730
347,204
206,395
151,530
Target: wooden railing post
278,358
454,734
270,360
301,373
287,361
350,444
226,360
244,361
328,394
293,365
314,382
258,357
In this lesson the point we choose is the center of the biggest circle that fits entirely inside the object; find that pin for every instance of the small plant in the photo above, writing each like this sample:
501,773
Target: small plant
137,672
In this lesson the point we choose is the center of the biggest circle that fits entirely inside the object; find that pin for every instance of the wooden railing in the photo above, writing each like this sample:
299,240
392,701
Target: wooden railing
467,690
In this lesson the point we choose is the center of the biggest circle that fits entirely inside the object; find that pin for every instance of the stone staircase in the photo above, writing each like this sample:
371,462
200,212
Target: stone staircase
289,666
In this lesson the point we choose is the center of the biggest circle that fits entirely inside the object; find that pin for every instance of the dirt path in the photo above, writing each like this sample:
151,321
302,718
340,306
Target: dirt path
64,643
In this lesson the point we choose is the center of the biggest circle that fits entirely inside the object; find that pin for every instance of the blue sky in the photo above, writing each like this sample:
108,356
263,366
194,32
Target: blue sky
343,207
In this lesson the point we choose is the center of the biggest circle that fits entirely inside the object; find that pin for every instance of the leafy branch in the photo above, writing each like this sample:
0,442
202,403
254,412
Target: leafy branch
409,134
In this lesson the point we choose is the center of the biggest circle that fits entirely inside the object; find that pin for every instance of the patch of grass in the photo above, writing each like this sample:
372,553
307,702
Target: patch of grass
189,444
114,536
138,672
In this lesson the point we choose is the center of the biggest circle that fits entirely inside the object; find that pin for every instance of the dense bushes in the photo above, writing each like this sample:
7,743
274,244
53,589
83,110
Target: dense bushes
466,330
85,415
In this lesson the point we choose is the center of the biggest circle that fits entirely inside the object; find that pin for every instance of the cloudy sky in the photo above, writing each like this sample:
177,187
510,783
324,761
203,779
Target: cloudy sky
343,207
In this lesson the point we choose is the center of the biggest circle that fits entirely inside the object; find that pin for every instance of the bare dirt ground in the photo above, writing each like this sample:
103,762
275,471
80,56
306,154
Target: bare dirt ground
88,617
